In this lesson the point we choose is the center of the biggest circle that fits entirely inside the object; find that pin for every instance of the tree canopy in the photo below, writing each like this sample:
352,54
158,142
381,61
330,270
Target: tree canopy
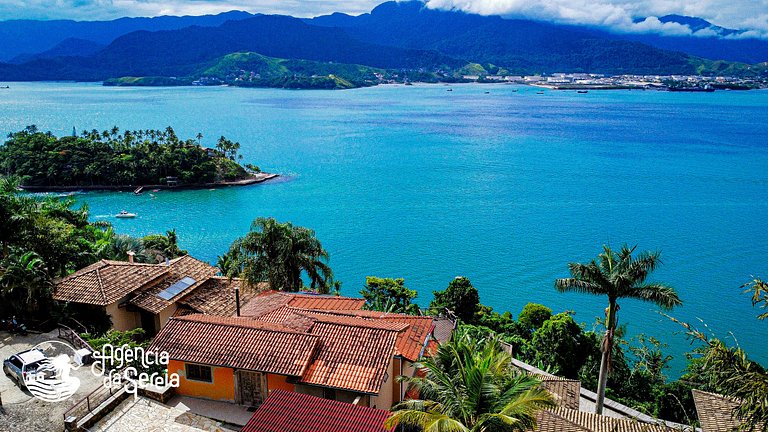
115,158
389,295
460,297
471,385
279,253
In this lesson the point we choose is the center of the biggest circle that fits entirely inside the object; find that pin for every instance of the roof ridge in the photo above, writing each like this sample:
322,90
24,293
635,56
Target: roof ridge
257,324
356,324
101,284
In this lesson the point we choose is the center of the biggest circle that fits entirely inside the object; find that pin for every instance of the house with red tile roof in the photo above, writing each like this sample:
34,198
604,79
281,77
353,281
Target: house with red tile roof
303,311
242,360
295,412
146,295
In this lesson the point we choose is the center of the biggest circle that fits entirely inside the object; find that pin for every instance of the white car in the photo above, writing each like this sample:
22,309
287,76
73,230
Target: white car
28,365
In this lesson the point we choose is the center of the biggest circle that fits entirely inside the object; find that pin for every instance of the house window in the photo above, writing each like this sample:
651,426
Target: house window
329,394
199,373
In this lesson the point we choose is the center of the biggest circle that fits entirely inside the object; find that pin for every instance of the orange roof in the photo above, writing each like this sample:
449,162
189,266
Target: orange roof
413,330
351,357
106,282
240,343
268,301
323,302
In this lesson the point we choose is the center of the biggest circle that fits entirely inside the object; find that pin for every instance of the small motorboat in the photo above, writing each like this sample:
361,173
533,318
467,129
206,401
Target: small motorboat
582,91
138,190
125,215
541,92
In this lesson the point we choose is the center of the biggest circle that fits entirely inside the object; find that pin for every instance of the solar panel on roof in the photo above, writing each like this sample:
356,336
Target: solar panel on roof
174,290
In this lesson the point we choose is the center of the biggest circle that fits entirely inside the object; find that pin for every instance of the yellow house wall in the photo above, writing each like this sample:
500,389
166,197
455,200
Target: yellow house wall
222,388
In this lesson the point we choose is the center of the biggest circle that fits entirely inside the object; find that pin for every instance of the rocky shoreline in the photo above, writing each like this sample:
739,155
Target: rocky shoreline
254,179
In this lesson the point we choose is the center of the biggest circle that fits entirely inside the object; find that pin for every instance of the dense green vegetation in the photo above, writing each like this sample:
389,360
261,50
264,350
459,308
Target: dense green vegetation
115,158
44,239
470,384
279,253
389,295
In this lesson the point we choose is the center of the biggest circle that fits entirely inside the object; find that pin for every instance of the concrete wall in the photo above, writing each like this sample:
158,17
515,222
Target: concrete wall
385,397
162,318
408,370
222,388
122,319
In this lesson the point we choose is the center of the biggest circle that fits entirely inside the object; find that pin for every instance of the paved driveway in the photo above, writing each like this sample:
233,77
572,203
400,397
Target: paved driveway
23,412
145,415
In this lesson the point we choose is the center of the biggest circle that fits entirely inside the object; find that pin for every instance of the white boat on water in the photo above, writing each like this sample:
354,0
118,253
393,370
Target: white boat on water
125,215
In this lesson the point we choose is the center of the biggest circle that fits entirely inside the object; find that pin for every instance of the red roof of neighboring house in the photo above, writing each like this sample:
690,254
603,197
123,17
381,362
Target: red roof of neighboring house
240,343
351,357
413,330
268,301
295,412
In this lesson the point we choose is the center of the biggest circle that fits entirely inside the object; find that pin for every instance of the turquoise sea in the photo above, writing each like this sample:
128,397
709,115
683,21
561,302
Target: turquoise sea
505,187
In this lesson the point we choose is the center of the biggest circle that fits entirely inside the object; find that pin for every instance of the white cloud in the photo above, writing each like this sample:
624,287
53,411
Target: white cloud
751,15
620,14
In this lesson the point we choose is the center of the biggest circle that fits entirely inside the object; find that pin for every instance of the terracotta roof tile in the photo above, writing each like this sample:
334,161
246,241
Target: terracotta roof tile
569,420
351,357
216,296
325,302
414,330
443,329
240,343
270,300
566,391
295,412
715,412
106,282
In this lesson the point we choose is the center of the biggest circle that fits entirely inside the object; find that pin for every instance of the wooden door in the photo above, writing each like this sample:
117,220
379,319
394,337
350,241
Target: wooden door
252,388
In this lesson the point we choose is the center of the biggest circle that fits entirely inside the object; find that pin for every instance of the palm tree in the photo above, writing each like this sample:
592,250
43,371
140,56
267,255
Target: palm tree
24,282
471,385
280,253
617,275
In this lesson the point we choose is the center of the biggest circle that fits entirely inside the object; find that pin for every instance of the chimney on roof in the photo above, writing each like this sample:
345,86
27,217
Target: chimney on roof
131,254
237,300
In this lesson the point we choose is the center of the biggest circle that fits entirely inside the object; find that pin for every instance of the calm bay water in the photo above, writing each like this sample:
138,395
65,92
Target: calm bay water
505,188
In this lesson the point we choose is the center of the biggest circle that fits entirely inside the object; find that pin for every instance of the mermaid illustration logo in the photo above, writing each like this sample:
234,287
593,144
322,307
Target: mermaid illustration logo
52,381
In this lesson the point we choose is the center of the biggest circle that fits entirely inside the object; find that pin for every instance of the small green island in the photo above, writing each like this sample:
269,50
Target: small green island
115,159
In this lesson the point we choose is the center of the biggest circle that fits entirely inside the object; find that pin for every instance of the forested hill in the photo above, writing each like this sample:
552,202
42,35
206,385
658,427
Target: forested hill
396,36
115,158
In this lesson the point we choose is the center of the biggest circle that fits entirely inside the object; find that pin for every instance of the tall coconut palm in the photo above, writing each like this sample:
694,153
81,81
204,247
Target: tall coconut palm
617,275
280,253
471,385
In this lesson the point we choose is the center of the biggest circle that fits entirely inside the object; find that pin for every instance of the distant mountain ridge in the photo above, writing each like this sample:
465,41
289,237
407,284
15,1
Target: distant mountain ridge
394,36
29,37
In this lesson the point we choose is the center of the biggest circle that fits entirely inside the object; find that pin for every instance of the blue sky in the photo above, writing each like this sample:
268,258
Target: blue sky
618,14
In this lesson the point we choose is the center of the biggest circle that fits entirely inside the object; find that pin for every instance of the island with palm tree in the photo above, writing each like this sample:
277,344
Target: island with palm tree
123,160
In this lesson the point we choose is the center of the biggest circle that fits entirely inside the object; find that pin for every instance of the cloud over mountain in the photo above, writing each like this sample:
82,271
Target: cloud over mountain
629,16
622,15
